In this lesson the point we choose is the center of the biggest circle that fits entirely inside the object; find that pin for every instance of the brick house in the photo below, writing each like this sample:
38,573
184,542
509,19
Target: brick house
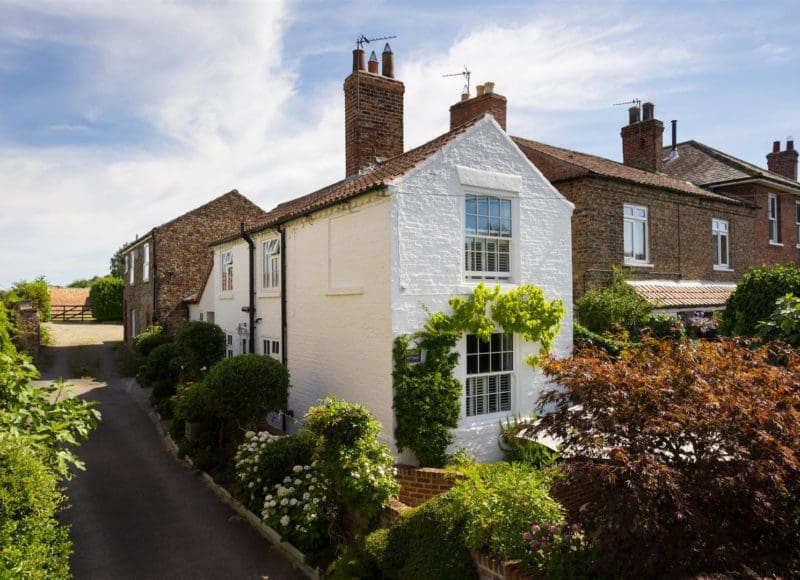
775,192
327,281
173,259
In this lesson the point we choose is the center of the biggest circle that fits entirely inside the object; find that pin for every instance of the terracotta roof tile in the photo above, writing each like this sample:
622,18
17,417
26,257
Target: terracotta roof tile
570,164
378,176
68,296
705,165
667,294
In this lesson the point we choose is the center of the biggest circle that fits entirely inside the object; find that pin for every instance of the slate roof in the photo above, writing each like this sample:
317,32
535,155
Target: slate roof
704,165
670,294
568,164
376,177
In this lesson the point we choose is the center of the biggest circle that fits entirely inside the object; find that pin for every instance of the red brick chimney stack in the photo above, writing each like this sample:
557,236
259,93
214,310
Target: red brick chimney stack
486,101
387,62
373,112
783,162
642,141
372,65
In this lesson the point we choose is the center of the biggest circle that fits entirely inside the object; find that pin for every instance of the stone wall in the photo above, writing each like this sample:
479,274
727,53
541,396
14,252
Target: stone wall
28,323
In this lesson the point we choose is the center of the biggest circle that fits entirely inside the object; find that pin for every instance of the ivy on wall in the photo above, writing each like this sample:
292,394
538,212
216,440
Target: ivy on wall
426,395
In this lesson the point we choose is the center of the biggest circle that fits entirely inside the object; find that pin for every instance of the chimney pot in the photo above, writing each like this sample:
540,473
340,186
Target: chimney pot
674,134
387,61
373,63
648,110
488,88
642,141
790,144
479,90
358,60
776,146
783,162
633,115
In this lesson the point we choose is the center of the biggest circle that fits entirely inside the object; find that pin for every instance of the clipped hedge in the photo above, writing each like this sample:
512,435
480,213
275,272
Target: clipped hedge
613,307
201,345
423,542
151,337
105,296
755,296
32,543
161,370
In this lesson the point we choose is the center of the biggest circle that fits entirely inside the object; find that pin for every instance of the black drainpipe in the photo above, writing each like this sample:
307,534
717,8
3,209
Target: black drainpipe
284,326
251,307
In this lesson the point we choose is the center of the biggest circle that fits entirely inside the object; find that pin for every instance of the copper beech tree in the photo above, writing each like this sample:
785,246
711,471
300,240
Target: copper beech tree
692,449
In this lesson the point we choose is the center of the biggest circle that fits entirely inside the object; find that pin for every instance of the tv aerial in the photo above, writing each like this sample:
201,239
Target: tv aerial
466,74
362,40
637,102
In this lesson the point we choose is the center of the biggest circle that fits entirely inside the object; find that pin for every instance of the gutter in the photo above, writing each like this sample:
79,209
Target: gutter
251,307
284,325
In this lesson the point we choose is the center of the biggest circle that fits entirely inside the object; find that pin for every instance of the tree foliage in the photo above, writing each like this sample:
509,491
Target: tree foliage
201,346
106,298
692,447
37,292
755,296
613,307
784,322
84,282
116,266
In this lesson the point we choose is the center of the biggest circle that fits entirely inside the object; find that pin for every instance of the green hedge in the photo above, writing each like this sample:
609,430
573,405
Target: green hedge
105,296
202,345
583,337
151,337
755,296
32,543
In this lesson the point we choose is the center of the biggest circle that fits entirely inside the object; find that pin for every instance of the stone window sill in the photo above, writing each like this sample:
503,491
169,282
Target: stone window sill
639,265
723,269
771,243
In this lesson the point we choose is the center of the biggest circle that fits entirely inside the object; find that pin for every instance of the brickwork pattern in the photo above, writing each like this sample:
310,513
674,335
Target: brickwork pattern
419,484
642,145
180,258
784,162
492,103
373,119
765,253
680,238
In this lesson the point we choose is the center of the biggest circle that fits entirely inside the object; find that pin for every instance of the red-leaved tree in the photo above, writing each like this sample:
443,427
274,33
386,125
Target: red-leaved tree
693,449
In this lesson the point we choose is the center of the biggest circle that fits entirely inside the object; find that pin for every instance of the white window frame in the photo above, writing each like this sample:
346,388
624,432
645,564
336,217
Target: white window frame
271,264
226,262
635,220
271,347
146,263
132,272
721,234
797,221
479,245
489,388
773,219
228,346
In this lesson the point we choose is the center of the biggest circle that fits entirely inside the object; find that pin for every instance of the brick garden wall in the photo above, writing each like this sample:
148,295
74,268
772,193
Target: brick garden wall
419,484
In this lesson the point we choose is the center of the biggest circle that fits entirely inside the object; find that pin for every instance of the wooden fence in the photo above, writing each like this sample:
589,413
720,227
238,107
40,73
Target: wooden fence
82,312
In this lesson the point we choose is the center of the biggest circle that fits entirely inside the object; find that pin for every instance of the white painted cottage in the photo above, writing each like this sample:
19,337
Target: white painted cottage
339,273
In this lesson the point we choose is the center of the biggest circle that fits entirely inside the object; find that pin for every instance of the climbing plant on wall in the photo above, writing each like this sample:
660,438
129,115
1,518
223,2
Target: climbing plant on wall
426,395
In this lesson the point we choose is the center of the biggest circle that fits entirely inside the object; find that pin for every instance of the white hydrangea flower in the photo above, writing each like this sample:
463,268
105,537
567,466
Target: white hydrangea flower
284,502
285,521
293,501
298,482
297,468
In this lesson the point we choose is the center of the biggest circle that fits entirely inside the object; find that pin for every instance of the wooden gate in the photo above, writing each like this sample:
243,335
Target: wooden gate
81,312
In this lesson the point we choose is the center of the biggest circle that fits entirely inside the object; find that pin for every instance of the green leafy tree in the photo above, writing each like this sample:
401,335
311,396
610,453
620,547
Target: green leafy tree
201,346
37,292
613,307
83,282
784,322
117,264
106,298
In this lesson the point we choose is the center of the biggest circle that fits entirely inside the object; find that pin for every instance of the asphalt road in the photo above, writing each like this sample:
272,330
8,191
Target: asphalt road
136,512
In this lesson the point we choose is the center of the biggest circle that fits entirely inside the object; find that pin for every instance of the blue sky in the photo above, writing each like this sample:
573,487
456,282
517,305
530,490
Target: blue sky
117,116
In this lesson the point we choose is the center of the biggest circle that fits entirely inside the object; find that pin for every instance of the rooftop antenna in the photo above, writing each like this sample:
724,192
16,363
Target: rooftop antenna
465,73
637,102
361,40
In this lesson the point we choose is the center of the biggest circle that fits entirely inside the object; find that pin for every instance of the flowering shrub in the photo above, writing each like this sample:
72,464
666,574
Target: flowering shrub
559,550
264,460
297,507
358,465
699,325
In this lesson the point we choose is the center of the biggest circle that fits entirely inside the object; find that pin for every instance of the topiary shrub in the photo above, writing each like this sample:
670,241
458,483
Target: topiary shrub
105,296
243,389
201,345
151,337
32,543
755,296
613,307
161,369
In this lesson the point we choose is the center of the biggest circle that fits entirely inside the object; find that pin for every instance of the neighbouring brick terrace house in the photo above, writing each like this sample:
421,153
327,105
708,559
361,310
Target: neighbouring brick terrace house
681,245
173,259
775,192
